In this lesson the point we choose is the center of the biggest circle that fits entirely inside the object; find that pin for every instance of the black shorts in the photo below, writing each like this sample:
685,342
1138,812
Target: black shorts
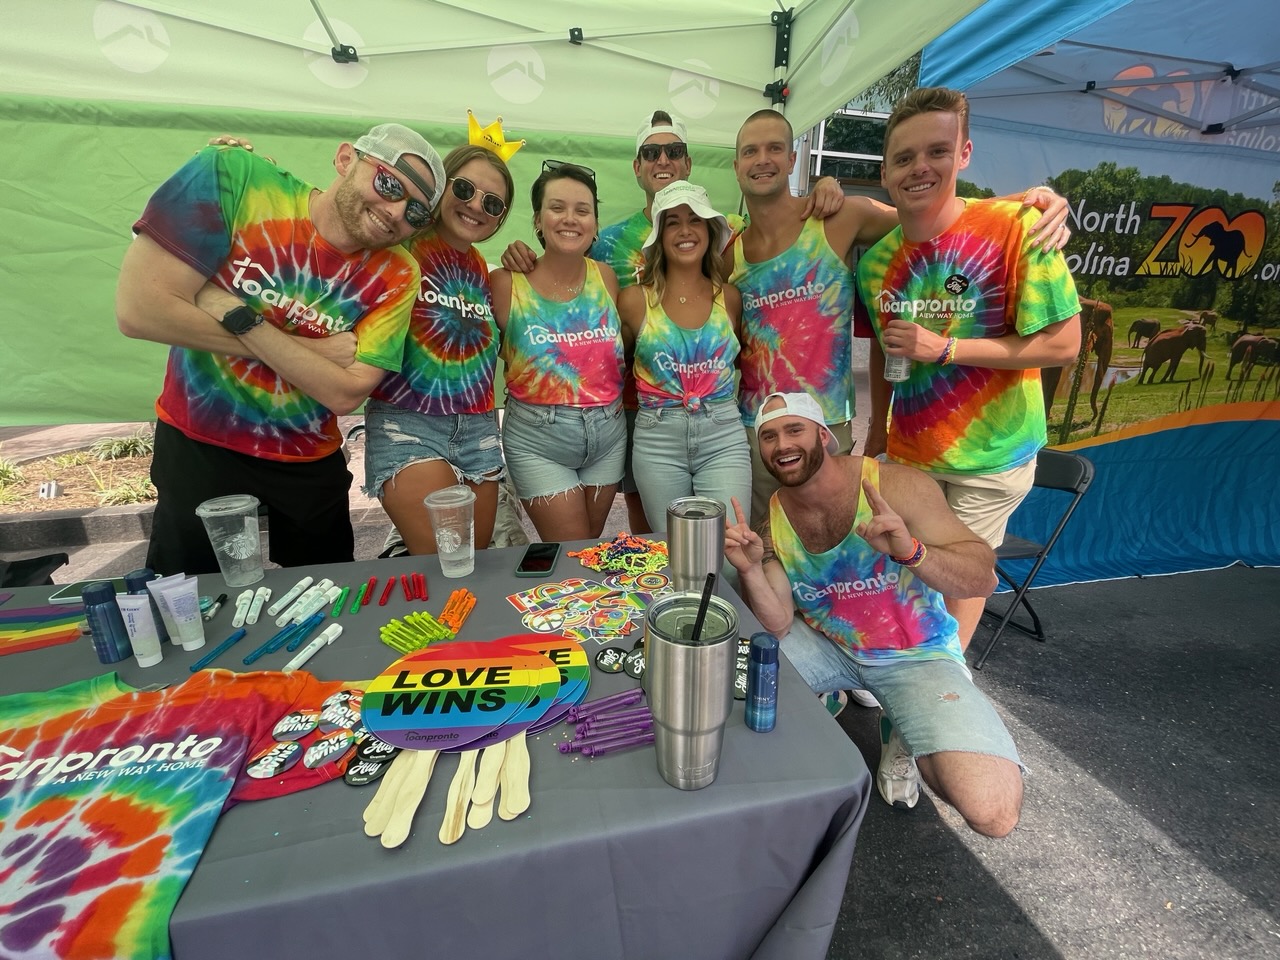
307,504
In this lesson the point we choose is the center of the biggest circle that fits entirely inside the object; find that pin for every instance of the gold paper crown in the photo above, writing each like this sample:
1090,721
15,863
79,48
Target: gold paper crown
491,137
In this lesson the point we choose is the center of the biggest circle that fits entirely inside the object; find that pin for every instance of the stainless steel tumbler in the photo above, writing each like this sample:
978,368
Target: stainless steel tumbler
695,541
690,685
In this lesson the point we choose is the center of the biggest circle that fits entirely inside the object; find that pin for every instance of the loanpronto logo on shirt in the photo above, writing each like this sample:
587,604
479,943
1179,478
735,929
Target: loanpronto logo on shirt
666,363
950,308
804,291
879,583
109,761
255,281
540,335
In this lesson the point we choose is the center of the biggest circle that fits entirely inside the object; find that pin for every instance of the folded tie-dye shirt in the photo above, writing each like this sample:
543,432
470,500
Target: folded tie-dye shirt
977,279
108,796
563,352
245,224
797,332
874,608
451,352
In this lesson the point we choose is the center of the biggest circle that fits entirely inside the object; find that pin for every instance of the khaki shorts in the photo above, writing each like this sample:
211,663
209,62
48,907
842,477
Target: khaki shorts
984,503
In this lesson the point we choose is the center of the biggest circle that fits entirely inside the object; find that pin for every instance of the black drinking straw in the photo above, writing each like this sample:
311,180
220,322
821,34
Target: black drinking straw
702,609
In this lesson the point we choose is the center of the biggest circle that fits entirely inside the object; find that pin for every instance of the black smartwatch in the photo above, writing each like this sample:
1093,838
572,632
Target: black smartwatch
240,320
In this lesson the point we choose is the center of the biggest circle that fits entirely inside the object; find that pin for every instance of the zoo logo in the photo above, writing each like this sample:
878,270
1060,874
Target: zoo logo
1209,239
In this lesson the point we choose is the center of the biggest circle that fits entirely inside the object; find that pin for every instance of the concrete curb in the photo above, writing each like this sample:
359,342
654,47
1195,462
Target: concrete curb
53,529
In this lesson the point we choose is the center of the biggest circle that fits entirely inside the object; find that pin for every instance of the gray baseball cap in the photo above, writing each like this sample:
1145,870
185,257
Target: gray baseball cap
391,141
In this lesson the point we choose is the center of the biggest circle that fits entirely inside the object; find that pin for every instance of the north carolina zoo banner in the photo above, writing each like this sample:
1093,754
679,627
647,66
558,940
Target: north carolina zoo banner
1176,393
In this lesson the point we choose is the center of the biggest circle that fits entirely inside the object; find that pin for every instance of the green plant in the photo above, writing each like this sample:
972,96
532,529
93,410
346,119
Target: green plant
130,491
9,496
141,444
74,459
9,473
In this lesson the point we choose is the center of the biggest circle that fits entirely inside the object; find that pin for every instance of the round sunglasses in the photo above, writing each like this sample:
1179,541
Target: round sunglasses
388,186
490,203
674,151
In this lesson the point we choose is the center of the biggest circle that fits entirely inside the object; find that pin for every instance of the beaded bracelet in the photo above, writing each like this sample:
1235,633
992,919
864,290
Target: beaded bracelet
918,553
948,354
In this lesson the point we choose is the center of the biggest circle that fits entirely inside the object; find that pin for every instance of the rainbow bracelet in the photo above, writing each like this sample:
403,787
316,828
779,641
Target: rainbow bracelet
948,354
918,553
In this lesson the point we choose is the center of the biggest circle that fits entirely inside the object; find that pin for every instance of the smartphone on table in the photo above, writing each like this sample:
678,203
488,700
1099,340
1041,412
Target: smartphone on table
539,560
70,592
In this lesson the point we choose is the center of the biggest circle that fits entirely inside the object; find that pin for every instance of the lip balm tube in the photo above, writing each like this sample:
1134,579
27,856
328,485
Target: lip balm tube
184,603
135,608
242,608
260,596
293,594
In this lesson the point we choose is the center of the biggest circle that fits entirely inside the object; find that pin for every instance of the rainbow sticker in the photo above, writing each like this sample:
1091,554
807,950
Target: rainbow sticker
450,695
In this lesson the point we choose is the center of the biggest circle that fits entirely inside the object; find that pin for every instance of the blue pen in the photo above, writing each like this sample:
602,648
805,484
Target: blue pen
267,647
304,631
219,650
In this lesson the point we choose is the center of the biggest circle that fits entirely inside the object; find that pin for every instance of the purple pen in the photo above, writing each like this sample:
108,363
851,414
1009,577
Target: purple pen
600,749
622,699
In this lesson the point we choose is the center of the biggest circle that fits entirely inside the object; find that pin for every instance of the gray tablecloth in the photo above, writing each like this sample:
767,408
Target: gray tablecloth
608,861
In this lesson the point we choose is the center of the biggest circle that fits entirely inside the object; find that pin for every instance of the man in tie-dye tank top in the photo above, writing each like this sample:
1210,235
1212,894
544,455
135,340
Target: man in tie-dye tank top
959,289
864,552
283,305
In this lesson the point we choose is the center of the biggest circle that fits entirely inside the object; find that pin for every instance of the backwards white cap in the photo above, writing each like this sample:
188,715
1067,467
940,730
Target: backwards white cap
796,405
391,141
649,128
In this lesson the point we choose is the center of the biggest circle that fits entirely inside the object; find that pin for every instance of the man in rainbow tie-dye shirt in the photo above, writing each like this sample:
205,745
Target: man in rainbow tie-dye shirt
283,305
864,552
960,290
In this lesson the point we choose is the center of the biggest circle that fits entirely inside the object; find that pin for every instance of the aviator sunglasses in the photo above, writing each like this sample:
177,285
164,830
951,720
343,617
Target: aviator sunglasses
388,186
674,151
490,203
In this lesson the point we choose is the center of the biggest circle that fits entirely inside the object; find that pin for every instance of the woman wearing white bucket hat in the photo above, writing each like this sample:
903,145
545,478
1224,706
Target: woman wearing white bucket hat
682,320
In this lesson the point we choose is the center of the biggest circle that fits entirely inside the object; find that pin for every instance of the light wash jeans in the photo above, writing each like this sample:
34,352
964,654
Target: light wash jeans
683,453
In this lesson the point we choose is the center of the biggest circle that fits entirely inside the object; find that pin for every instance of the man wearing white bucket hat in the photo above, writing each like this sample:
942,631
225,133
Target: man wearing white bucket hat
864,551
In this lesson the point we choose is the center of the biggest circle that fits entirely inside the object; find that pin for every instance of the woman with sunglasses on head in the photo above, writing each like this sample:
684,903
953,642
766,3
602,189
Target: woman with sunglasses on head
683,319
563,432
432,424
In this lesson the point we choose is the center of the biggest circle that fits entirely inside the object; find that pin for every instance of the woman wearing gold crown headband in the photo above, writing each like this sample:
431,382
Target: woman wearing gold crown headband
684,321
432,424
563,431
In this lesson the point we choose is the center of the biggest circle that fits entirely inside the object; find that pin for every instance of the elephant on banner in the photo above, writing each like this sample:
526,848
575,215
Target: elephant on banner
1143,329
1228,247
1251,348
1169,347
1097,334
1209,318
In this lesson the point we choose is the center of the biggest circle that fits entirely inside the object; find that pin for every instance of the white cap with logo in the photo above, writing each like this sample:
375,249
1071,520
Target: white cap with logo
391,141
796,405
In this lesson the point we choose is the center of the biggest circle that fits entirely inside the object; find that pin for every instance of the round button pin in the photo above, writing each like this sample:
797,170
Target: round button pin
611,659
276,759
296,725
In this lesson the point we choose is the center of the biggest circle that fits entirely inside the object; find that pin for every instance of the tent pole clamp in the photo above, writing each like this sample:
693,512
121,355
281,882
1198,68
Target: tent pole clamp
341,52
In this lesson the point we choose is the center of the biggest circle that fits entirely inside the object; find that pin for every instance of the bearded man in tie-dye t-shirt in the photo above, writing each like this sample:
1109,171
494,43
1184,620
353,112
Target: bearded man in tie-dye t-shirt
959,290
283,305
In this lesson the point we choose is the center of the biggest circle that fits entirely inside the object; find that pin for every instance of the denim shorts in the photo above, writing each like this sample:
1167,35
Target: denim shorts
689,453
932,703
396,438
551,449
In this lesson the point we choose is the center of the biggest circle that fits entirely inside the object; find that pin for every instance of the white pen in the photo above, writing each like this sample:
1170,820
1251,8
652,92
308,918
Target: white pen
291,614
306,653
242,608
260,596
294,592
317,603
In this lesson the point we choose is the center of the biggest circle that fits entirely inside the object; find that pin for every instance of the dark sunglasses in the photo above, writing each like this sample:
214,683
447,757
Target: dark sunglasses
490,203
674,151
389,187
548,165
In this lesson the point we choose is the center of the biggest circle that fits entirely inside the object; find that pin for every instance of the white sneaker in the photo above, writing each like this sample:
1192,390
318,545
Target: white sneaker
864,698
897,778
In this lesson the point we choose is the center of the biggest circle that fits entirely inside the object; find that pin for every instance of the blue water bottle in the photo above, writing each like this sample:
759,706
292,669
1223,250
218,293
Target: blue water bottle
762,683
110,639
136,582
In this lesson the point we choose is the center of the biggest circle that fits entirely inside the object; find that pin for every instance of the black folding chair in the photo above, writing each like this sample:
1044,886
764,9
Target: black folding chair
32,571
1055,470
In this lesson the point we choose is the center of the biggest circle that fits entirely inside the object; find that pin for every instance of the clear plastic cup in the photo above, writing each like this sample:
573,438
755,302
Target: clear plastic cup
232,525
453,518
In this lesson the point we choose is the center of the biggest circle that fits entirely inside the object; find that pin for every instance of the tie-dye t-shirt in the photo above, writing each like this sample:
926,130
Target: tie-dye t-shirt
855,595
451,352
245,224
676,366
797,330
977,279
563,353
108,796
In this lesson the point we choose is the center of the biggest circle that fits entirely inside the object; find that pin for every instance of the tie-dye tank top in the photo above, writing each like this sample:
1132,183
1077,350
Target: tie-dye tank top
875,608
108,796
451,351
977,279
797,330
676,366
563,353
246,224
